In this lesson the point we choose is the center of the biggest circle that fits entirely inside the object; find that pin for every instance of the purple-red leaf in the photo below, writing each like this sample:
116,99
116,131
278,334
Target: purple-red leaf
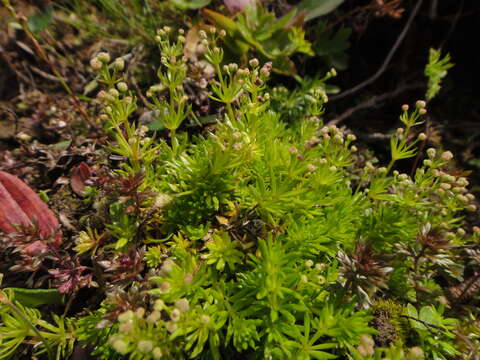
21,206
80,174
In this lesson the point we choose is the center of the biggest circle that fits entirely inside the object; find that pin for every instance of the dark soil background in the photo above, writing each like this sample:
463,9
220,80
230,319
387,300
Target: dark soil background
455,112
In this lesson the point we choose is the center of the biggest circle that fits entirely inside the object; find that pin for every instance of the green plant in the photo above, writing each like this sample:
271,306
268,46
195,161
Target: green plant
434,331
20,324
266,234
435,71
273,39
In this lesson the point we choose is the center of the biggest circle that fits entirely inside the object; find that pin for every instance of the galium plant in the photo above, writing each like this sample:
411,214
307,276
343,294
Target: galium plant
264,238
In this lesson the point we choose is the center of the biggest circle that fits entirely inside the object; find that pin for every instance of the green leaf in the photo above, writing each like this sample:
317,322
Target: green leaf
316,8
221,20
429,315
41,19
37,297
412,311
190,4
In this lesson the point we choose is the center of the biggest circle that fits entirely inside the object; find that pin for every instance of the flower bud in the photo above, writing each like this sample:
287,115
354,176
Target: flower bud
145,346
157,353
171,326
182,305
420,104
95,64
119,64
140,312
175,315
264,72
122,86
254,62
103,57
113,92
120,346
471,208
153,317
447,155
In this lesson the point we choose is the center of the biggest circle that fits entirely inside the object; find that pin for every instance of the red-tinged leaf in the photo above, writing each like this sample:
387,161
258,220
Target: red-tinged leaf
36,248
17,198
10,213
80,174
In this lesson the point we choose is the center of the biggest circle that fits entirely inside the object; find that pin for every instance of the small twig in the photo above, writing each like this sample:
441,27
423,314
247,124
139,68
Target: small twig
427,325
454,24
373,101
387,60
44,74
41,53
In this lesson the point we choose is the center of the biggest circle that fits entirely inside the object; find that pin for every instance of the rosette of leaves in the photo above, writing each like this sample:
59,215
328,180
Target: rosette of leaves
256,29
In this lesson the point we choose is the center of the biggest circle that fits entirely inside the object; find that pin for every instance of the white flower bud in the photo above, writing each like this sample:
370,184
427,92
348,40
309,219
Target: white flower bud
119,64
122,86
145,346
254,62
103,57
447,155
95,64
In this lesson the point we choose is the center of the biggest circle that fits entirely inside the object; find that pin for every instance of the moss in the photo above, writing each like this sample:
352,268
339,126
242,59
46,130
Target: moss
388,322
